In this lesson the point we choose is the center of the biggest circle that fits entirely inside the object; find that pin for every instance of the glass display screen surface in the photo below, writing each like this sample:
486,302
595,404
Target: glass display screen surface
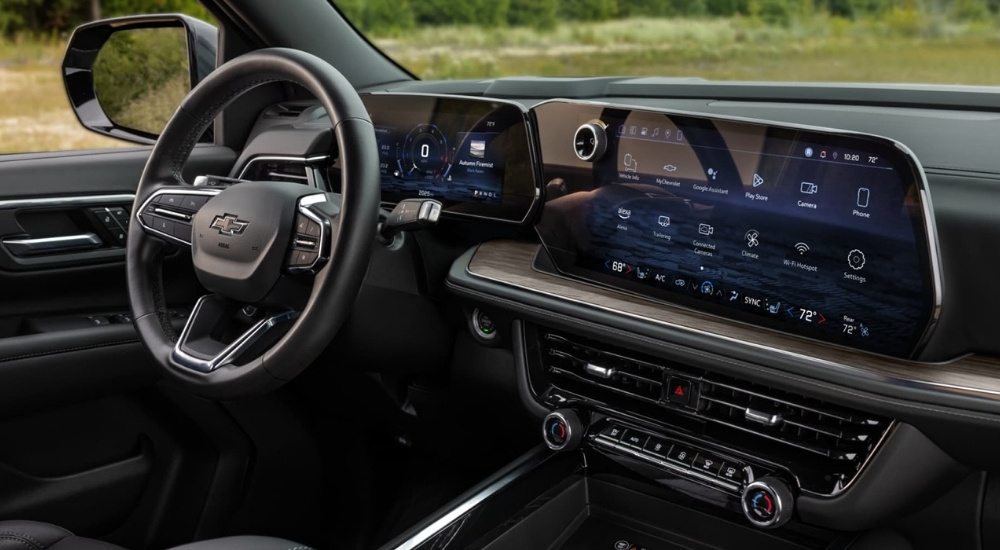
472,155
813,233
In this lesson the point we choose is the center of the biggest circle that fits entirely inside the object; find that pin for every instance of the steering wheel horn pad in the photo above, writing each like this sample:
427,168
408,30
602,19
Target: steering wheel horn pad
241,238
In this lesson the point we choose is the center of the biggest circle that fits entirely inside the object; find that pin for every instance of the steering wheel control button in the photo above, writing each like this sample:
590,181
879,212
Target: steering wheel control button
305,226
768,502
562,430
163,225
590,141
194,202
301,258
172,200
182,231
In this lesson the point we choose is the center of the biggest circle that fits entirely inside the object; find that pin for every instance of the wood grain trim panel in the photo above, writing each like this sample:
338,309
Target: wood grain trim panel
510,262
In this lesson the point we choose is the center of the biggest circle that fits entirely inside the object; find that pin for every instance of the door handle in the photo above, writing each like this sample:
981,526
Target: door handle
52,245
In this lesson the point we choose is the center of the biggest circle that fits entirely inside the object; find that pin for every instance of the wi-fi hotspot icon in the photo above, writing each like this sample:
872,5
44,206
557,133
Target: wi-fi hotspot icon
802,248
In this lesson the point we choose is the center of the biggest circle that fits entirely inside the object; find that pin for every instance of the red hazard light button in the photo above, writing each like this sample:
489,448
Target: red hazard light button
679,391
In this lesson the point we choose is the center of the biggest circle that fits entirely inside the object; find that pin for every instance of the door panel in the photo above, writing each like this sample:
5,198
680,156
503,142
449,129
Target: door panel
91,442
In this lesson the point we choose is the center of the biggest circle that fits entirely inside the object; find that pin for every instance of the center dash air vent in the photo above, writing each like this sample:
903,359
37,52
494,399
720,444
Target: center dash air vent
292,170
807,424
286,110
583,363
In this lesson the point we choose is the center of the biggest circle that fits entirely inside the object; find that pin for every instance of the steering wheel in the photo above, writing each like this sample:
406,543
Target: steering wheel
283,262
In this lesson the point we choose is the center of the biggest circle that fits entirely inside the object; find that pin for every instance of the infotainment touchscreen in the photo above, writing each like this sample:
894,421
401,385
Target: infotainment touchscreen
815,233
473,155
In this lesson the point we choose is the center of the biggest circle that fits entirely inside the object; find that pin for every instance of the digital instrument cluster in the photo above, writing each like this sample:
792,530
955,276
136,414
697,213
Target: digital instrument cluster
816,233
473,155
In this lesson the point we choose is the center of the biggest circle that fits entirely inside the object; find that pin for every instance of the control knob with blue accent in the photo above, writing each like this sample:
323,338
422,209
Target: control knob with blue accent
768,502
562,430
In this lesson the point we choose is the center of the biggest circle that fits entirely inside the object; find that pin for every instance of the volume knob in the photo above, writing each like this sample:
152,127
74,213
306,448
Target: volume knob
590,141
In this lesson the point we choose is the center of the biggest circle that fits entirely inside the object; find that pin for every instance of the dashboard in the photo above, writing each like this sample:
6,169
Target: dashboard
761,294
818,233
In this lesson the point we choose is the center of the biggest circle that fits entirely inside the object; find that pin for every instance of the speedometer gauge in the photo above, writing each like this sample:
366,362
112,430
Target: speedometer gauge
424,153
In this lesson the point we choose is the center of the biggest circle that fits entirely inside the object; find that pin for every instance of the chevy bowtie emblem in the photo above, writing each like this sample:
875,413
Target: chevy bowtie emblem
229,225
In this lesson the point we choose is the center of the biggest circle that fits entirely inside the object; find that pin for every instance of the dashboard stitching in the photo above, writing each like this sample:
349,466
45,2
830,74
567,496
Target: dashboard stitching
66,350
740,364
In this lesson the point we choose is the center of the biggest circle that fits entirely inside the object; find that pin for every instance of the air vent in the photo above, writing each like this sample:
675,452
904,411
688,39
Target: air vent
825,445
277,170
578,361
806,424
286,110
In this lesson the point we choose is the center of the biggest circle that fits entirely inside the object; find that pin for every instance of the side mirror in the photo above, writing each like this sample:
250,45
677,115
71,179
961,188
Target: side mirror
126,76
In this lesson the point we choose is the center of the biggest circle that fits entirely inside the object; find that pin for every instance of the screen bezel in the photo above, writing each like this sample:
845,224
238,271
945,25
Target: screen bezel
911,174
519,203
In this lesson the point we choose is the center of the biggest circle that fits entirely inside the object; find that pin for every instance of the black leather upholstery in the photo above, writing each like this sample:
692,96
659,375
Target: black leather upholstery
33,535
244,543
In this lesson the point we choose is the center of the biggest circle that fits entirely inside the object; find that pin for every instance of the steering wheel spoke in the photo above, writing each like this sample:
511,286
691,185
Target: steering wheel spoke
214,335
168,212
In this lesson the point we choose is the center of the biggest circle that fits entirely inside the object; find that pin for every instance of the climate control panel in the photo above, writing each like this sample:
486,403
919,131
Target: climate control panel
721,472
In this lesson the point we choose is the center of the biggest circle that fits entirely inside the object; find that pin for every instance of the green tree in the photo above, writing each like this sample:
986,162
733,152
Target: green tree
539,14
970,10
727,8
645,8
588,10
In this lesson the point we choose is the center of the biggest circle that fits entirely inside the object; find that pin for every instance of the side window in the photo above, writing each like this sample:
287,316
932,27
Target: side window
35,113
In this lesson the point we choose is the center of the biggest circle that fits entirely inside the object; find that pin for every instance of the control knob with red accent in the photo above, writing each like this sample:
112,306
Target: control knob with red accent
562,430
768,502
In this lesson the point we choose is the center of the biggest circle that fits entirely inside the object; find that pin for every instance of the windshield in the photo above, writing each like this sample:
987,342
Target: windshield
912,41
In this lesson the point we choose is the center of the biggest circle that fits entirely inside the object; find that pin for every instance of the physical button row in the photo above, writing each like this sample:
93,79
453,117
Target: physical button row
189,202
658,448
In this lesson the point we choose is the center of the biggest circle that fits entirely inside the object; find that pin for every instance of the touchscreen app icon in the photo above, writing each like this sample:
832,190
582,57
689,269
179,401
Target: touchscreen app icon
705,229
856,259
631,164
664,221
809,188
863,195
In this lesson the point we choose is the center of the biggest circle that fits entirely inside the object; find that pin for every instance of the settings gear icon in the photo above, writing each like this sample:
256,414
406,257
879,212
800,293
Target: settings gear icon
856,259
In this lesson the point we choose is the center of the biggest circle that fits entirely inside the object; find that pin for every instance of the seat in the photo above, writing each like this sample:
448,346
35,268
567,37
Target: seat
34,535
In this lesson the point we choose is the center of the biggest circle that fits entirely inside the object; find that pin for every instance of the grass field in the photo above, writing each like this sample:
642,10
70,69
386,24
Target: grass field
35,115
